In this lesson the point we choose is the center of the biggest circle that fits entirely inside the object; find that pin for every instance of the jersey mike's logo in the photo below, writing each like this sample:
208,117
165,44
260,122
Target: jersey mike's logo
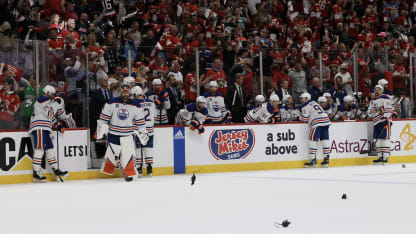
408,137
231,143
123,114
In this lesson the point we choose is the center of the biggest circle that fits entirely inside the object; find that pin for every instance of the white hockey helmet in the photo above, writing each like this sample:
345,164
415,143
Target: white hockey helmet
274,97
348,98
382,82
156,82
213,84
322,99
379,87
286,98
201,99
306,96
128,80
327,95
49,89
260,98
136,90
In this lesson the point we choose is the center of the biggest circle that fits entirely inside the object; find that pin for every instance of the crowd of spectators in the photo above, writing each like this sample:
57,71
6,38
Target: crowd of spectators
90,41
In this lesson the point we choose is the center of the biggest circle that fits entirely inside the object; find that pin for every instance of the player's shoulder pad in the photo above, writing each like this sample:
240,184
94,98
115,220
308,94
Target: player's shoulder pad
206,94
219,94
203,111
134,102
388,92
270,108
285,107
304,104
150,93
191,107
384,96
164,93
114,100
42,99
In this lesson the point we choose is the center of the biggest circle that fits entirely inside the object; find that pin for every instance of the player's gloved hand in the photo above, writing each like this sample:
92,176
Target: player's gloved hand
143,135
208,121
201,130
228,120
60,127
159,100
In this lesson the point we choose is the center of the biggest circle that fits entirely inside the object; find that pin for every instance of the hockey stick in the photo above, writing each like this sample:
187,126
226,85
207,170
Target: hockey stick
371,151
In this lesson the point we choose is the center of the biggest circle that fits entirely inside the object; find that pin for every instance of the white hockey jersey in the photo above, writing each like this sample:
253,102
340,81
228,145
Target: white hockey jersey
46,113
330,110
185,116
149,111
349,113
313,113
289,114
262,114
217,110
161,116
122,118
383,107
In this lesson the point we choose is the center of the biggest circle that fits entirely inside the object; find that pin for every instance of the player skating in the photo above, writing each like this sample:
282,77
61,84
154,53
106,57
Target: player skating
46,113
120,120
145,151
381,110
319,123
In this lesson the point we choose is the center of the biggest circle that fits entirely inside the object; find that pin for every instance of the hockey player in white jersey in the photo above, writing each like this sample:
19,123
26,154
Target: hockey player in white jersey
381,110
289,112
193,115
45,114
217,110
160,97
145,151
120,120
319,123
266,113
258,101
348,110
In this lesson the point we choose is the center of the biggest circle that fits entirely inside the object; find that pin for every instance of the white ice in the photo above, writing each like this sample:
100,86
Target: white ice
380,199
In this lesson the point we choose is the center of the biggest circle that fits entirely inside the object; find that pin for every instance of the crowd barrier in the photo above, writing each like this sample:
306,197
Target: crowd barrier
221,148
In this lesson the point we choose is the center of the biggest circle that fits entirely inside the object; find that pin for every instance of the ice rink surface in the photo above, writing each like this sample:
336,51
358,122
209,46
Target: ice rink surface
380,199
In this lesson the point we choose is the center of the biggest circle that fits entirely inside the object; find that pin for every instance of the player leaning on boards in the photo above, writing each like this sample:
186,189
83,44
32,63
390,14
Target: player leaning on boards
381,110
193,115
46,113
145,149
319,123
120,120
265,113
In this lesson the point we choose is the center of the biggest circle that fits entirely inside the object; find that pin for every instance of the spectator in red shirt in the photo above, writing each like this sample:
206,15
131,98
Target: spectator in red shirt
9,104
71,29
54,42
54,6
217,74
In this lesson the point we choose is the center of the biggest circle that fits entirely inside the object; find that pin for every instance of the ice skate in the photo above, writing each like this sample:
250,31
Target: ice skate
60,175
325,162
311,163
380,161
149,170
140,172
38,178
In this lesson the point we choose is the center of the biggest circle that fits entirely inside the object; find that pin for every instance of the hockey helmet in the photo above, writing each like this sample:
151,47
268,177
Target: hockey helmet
286,98
260,98
136,90
348,98
128,80
322,99
274,97
156,82
49,89
306,96
213,84
201,99
379,87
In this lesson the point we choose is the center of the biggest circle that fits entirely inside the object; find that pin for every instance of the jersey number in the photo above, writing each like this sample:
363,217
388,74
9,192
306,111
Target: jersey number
107,4
318,108
146,117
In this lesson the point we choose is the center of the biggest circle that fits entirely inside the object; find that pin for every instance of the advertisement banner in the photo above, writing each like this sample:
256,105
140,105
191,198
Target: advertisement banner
16,151
73,151
288,142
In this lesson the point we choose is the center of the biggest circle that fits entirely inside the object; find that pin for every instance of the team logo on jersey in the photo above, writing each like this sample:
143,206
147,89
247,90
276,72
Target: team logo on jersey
123,114
216,106
408,137
231,143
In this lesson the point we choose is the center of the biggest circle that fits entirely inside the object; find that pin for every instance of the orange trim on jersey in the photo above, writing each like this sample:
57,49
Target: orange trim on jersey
39,139
312,133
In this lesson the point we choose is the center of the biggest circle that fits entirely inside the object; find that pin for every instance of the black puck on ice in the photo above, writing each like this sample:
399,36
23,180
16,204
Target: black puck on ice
344,196
403,165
